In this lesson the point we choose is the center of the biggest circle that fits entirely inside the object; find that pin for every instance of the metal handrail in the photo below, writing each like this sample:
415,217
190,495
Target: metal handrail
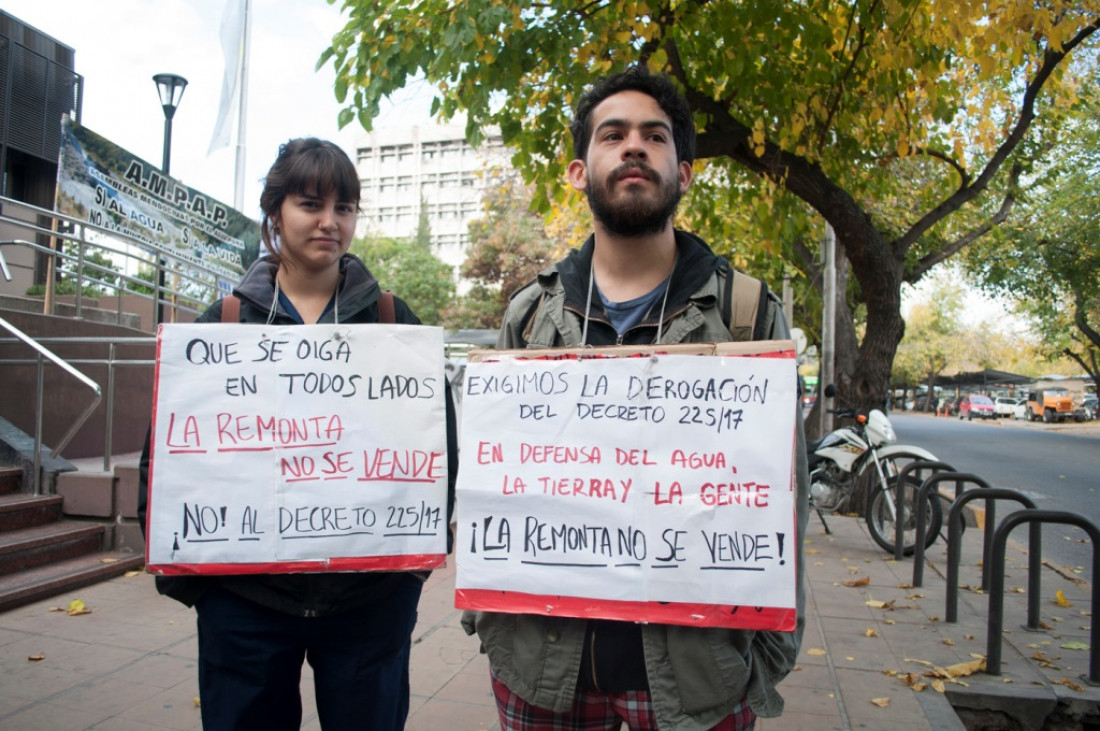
73,239
188,272
44,352
124,279
111,362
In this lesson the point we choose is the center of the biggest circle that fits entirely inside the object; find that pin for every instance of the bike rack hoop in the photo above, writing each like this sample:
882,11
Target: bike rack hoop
917,466
954,550
996,596
960,479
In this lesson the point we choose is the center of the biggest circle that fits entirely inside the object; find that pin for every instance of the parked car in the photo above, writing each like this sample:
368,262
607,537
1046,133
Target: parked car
1019,412
1005,406
1089,407
976,406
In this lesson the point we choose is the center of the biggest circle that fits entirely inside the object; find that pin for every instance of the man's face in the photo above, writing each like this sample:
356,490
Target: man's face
630,175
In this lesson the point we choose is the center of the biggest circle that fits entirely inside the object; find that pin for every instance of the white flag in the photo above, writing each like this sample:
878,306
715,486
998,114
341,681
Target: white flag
232,37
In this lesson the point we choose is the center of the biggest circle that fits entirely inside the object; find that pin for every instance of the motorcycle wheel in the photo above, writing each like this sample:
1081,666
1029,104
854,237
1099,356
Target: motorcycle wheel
881,523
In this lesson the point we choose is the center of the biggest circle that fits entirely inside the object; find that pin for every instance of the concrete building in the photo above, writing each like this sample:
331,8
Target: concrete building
405,168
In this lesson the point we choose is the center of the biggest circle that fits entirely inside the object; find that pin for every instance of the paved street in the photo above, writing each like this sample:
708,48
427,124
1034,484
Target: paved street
1056,465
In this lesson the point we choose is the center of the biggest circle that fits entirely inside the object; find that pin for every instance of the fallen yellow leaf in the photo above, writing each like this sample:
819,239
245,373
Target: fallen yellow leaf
948,641
36,657
871,632
1060,599
881,702
1044,661
958,670
859,582
196,701
76,608
938,686
816,651
1071,685
132,574
108,560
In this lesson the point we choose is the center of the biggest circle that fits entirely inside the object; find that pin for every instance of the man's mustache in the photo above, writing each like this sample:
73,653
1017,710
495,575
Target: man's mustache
634,167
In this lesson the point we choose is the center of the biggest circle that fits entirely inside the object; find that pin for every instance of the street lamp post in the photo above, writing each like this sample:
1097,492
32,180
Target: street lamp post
170,90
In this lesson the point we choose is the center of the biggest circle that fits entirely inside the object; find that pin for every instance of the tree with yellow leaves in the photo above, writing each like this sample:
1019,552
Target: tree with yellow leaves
894,121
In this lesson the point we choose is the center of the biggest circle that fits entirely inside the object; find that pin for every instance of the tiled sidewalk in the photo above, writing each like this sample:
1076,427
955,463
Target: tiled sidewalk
129,665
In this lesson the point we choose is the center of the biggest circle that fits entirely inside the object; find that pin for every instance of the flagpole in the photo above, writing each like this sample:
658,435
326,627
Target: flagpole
242,108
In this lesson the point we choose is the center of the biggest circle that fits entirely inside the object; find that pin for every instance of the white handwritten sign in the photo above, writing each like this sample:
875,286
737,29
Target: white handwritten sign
303,448
651,488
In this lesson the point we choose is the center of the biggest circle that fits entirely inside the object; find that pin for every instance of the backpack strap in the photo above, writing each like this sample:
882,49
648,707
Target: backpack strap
231,308
527,324
745,305
758,331
385,308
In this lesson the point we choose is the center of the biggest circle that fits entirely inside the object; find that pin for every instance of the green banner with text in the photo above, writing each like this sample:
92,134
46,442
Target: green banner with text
103,184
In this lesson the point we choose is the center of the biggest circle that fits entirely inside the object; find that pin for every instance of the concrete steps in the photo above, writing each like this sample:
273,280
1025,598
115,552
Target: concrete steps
45,551
49,543
18,511
11,480
31,585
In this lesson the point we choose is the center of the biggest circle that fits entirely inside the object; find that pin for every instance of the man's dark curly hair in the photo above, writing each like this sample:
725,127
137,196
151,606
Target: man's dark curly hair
637,78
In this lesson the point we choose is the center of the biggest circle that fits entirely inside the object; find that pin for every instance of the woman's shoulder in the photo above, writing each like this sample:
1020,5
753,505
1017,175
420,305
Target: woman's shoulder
402,313
213,313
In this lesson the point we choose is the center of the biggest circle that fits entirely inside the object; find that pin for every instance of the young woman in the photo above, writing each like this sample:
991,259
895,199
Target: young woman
355,629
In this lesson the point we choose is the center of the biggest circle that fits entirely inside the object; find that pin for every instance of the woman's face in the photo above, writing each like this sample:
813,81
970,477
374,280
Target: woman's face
315,231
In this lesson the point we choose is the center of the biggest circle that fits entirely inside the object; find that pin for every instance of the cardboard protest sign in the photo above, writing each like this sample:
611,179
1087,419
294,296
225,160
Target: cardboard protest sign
651,485
302,448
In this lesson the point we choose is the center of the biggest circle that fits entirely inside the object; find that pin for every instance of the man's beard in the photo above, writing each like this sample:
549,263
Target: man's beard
635,215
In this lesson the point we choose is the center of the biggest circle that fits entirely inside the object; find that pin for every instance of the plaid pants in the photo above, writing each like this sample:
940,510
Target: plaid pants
594,711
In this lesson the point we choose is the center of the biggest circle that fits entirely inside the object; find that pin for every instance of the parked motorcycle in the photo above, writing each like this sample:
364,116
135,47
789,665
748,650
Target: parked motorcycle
866,453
